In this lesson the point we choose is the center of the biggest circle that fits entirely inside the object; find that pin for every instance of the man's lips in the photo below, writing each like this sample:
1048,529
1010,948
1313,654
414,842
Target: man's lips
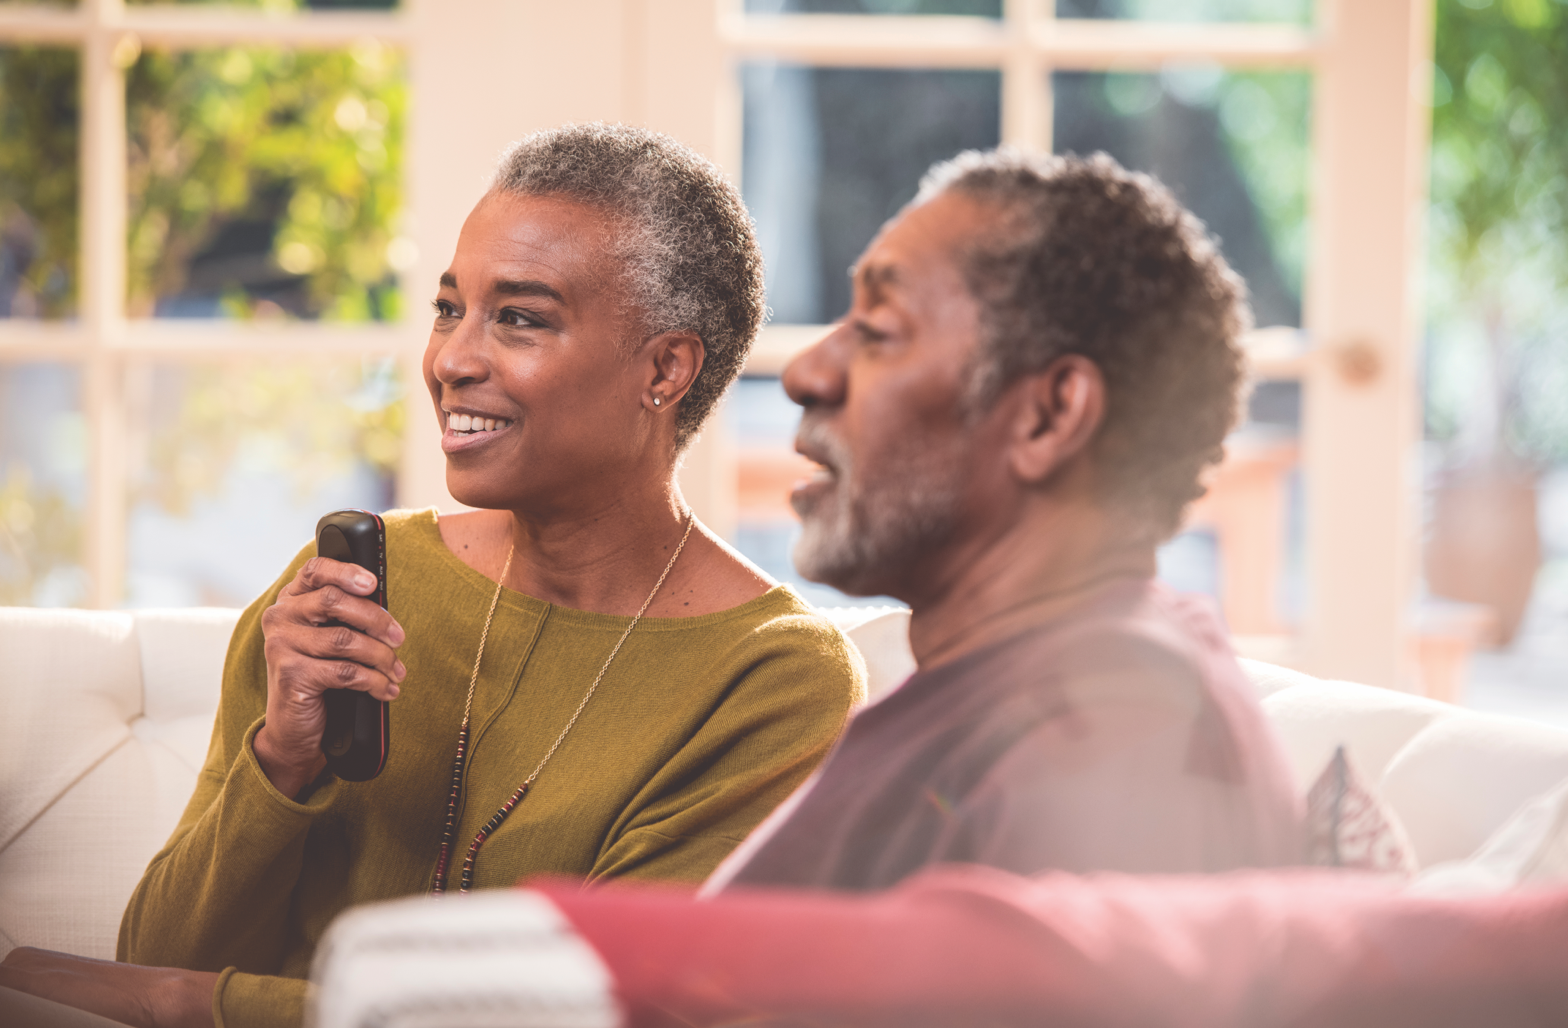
822,477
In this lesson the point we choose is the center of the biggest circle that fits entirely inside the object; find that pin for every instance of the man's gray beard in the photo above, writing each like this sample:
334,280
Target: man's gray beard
866,535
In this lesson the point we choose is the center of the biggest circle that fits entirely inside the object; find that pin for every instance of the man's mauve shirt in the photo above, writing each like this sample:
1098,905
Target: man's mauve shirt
1121,736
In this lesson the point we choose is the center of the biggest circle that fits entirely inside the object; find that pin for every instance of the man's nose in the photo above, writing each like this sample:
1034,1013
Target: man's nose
816,375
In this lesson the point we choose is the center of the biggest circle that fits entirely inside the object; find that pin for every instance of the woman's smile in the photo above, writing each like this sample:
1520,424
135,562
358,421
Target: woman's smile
464,431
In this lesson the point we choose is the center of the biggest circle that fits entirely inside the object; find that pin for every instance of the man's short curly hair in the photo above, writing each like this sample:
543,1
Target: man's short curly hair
687,245
1086,257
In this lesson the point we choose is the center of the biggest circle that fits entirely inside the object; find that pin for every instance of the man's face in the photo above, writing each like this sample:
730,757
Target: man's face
884,413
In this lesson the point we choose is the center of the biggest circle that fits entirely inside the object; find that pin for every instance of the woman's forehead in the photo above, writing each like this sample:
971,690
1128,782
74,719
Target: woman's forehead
555,241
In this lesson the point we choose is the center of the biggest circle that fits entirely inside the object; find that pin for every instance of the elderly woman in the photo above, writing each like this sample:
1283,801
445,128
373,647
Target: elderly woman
584,679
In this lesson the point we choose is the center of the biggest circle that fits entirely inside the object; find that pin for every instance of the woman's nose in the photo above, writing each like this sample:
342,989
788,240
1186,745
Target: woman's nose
459,356
815,376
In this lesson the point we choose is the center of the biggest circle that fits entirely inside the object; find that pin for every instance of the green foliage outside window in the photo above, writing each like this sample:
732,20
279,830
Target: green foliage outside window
311,141
39,104
1498,275
305,144
307,419
40,536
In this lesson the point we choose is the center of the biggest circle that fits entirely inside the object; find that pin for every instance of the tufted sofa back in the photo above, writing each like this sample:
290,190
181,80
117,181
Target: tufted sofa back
105,719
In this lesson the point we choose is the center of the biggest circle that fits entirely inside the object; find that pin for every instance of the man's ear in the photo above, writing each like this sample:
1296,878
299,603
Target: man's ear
675,359
1058,411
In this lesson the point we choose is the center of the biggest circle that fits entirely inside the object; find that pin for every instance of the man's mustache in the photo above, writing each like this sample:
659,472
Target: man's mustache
814,441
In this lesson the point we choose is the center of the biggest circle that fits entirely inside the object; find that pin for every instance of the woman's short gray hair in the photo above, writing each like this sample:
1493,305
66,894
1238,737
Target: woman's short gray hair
687,245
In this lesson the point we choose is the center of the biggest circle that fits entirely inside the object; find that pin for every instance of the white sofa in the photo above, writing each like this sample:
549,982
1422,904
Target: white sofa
105,718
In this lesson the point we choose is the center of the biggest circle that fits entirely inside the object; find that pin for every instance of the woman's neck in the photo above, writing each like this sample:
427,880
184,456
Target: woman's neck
604,561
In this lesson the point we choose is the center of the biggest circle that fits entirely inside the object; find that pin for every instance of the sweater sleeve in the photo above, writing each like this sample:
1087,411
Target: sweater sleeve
791,696
218,894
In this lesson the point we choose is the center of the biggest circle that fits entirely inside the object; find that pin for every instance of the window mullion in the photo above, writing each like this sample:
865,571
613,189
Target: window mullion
1026,96
102,298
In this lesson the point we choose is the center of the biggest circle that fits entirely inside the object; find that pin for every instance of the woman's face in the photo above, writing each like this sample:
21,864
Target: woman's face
530,362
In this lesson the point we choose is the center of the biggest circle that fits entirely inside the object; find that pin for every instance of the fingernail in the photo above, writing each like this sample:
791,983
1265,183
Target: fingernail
399,670
365,580
397,635
395,690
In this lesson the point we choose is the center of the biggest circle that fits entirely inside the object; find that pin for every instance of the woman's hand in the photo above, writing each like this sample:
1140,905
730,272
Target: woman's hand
145,997
321,634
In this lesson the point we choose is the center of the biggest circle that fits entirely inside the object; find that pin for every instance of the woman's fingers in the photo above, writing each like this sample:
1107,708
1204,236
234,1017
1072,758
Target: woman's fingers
322,633
304,677
338,644
329,590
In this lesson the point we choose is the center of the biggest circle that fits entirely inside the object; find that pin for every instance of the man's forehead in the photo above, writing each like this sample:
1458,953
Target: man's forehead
922,242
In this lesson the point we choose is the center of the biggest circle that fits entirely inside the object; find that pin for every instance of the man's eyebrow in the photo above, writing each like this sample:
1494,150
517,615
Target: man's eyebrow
527,287
875,277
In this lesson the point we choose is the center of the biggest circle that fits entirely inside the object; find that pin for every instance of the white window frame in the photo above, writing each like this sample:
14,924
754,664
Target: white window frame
101,341
1357,358
487,71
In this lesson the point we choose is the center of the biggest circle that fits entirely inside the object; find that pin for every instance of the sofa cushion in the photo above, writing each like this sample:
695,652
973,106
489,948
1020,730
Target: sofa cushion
1530,848
1461,778
89,787
881,634
65,880
1314,717
73,685
183,651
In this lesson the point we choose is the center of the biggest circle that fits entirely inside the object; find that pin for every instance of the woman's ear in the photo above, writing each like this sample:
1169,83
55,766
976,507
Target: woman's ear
1059,410
675,358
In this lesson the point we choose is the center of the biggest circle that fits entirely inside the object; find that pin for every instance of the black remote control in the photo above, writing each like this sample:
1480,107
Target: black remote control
357,735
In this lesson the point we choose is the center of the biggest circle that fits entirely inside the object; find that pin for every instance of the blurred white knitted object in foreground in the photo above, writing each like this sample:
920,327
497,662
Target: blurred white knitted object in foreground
500,959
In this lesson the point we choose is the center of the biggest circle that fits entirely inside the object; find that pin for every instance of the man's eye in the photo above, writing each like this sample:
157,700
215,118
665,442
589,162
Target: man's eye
867,333
443,308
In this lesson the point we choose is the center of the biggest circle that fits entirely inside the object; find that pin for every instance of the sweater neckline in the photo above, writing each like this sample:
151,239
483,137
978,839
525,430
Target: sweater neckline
426,523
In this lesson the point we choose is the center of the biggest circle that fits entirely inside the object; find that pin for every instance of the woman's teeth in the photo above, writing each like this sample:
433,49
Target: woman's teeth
465,424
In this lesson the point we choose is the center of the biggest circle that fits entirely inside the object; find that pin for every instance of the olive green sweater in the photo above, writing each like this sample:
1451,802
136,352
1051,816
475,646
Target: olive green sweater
701,727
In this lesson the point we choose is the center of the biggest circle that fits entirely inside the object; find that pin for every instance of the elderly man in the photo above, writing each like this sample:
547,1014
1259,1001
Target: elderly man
1040,359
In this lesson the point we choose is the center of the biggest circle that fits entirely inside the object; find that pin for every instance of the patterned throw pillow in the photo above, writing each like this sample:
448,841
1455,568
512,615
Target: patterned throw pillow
1349,825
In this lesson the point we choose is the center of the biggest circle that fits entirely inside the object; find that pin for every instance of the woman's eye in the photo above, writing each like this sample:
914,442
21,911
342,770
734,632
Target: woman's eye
443,308
517,318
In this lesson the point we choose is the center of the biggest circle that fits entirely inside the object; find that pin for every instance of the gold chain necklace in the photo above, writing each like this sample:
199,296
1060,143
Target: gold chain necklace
499,816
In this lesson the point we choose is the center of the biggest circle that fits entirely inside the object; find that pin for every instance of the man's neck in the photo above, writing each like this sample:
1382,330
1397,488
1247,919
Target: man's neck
1040,568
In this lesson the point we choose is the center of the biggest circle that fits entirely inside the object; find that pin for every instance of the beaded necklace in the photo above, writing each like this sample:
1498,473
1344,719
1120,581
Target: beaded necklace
448,835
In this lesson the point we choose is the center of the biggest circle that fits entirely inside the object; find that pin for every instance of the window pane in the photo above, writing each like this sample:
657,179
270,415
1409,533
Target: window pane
763,421
981,8
1297,12
266,182
1232,146
43,483
231,466
40,97
831,153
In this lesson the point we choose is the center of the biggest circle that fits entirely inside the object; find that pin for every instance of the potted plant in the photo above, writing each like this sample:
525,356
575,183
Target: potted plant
1499,293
